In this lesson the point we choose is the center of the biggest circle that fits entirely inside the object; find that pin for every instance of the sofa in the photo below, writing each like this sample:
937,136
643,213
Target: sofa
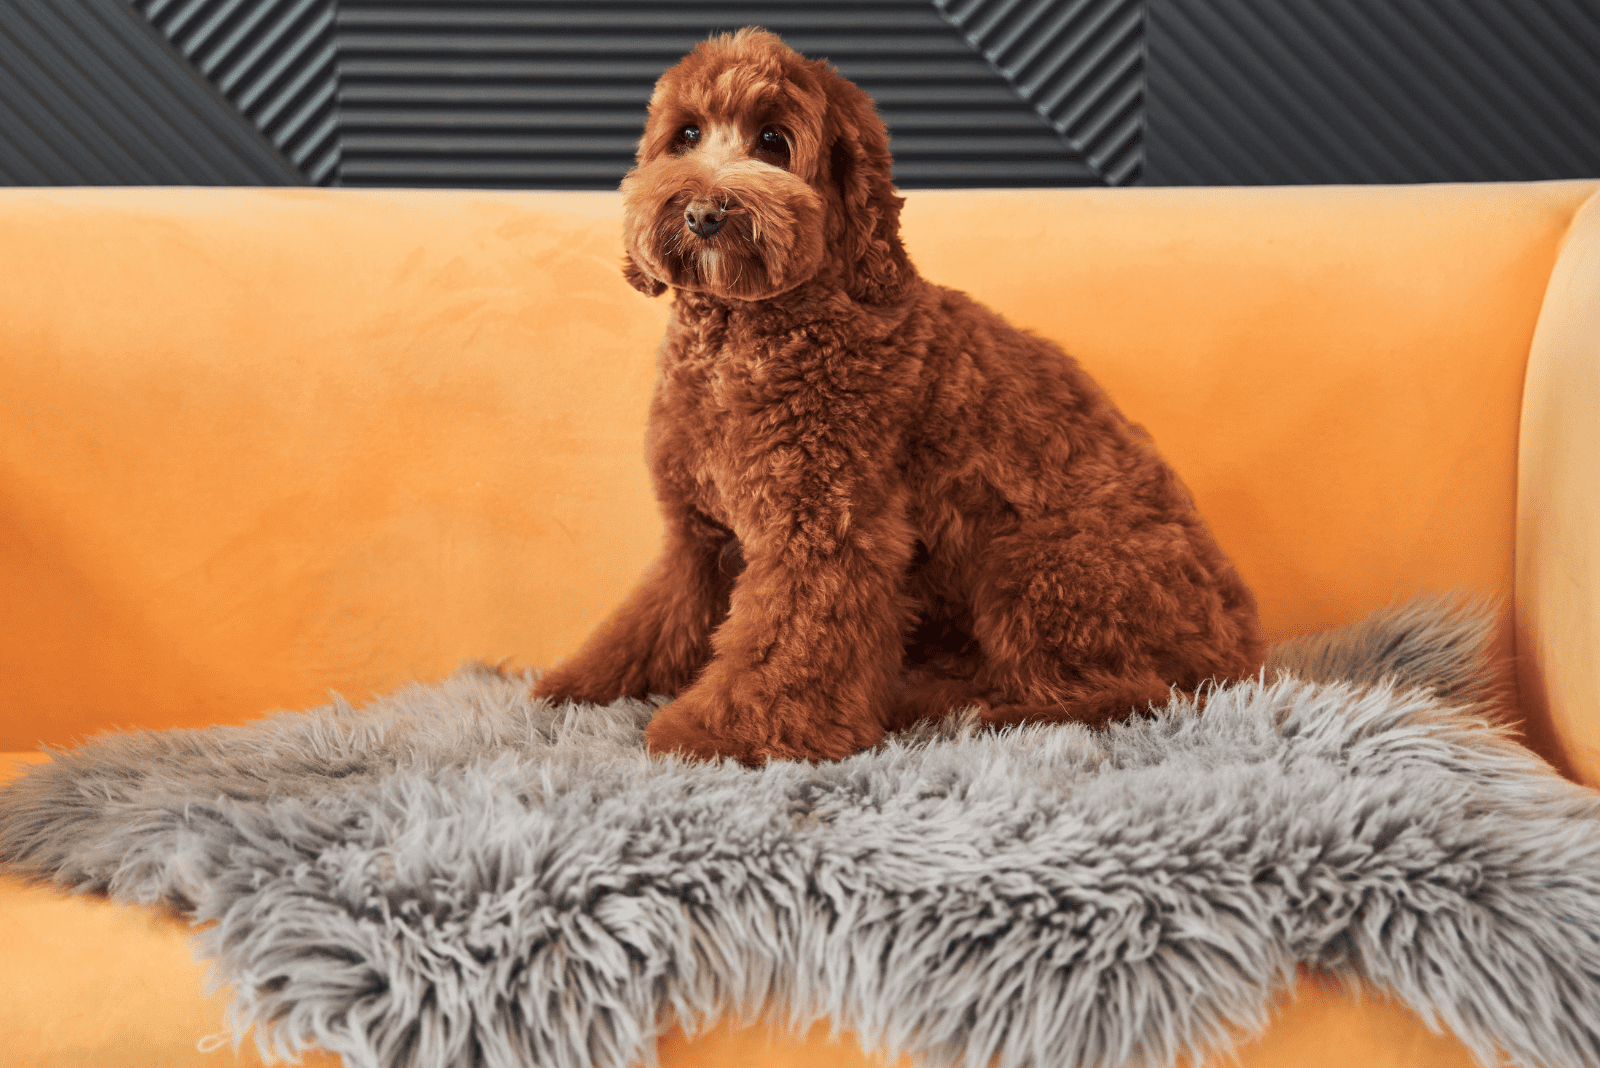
260,445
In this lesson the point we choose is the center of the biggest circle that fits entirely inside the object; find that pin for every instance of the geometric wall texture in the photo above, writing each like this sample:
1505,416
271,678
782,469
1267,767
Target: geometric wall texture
90,94
273,60
1079,64
524,92
550,93
1246,92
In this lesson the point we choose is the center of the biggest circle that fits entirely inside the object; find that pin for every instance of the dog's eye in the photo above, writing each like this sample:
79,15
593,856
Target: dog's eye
772,141
689,136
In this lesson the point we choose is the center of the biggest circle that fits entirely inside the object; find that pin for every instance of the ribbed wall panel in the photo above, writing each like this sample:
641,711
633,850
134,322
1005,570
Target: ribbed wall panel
542,94
274,59
1080,63
1244,92
90,95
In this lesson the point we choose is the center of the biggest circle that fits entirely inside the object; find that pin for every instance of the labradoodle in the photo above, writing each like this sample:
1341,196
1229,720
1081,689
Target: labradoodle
882,501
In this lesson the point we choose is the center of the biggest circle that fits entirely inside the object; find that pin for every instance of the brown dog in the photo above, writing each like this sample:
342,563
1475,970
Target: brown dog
882,501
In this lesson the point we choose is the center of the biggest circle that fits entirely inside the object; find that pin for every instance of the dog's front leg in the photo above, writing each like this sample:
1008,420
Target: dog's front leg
804,665
660,637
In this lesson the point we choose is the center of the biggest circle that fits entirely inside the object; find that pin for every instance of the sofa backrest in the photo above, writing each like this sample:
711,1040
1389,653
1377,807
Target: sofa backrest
260,444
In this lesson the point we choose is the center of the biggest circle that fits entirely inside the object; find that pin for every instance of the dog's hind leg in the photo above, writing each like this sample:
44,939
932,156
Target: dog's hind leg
1093,707
1091,627
1092,703
921,696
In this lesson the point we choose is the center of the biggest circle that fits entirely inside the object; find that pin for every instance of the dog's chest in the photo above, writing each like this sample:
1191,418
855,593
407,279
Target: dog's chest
724,413
699,432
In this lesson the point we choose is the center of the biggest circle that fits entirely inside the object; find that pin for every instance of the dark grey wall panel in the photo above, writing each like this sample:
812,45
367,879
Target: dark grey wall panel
552,94
1245,92
90,95
273,59
1080,63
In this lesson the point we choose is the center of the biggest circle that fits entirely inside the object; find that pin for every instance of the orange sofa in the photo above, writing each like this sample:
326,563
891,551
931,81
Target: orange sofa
260,445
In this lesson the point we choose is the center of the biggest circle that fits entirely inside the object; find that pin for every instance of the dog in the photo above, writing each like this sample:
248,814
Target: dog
882,502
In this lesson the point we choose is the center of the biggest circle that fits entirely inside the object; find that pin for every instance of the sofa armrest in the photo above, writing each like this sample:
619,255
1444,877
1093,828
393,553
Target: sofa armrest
1557,586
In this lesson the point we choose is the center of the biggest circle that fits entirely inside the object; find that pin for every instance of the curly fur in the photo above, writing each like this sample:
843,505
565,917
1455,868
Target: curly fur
882,501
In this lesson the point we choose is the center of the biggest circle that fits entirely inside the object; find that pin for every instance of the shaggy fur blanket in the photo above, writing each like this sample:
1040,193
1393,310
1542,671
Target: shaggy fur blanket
458,875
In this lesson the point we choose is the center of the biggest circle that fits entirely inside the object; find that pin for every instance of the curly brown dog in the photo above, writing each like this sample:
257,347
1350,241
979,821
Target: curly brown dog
882,501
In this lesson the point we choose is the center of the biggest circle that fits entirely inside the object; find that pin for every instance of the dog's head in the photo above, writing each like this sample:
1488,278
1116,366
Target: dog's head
760,170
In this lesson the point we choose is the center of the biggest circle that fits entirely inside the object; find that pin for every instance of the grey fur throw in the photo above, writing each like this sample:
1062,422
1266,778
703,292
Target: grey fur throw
457,875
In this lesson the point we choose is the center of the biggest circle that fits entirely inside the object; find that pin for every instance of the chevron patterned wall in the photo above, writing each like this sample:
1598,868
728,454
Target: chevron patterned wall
550,93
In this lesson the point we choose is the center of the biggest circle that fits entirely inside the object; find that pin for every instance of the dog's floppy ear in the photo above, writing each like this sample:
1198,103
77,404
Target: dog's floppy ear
862,172
644,283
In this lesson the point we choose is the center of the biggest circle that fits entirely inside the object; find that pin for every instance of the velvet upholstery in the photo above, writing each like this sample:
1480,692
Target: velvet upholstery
262,444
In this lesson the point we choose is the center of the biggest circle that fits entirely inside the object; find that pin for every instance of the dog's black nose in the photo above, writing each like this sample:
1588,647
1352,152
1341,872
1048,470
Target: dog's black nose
704,221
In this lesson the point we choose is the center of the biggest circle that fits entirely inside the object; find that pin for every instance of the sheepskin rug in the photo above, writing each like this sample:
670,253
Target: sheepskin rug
457,875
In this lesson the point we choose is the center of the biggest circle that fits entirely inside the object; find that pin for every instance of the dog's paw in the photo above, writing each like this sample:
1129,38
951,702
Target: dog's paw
686,727
674,730
682,727
755,733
